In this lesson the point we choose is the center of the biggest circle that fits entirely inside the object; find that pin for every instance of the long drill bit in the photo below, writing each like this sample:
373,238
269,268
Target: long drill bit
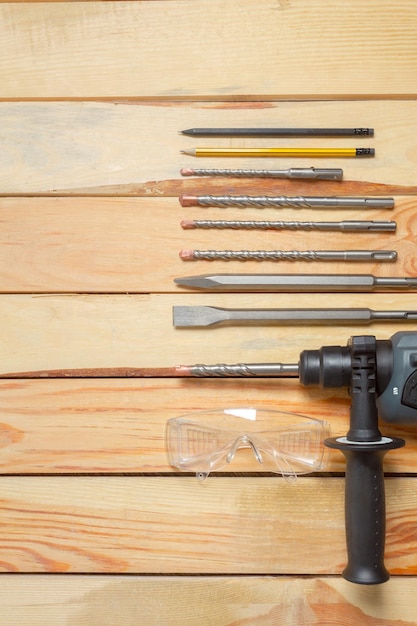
296,283
187,316
239,370
288,255
301,173
343,226
287,202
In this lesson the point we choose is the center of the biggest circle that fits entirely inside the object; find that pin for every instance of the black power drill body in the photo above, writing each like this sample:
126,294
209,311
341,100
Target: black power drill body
382,379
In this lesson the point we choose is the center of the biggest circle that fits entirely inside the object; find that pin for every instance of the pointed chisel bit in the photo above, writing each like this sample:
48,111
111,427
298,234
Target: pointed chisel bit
295,282
187,316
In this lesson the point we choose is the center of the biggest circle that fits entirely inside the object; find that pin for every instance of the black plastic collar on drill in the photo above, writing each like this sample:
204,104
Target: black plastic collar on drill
330,366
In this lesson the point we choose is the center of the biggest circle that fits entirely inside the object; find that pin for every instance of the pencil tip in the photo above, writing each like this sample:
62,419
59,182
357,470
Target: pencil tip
188,131
190,152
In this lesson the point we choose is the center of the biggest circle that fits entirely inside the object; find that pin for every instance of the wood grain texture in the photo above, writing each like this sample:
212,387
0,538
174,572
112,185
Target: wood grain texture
53,332
184,601
178,525
133,244
108,426
126,148
92,97
279,50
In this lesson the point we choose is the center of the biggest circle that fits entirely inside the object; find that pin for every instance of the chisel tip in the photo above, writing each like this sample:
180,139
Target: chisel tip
188,316
194,282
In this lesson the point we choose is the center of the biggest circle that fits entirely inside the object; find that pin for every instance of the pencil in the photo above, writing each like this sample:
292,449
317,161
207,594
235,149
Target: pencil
279,132
280,152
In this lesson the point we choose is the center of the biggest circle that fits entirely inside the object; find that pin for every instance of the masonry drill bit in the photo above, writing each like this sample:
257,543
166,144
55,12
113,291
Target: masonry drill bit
201,316
344,226
287,202
296,283
288,255
302,173
239,370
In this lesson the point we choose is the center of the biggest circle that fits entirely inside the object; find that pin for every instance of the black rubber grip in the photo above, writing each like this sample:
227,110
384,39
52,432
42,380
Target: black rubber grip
365,508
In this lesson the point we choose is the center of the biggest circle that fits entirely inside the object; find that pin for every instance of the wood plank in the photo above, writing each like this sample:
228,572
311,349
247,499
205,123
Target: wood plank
178,525
52,332
133,244
131,49
107,426
221,600
126,148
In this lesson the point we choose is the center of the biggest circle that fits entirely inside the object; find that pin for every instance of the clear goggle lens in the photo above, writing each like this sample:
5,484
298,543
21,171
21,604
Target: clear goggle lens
284,443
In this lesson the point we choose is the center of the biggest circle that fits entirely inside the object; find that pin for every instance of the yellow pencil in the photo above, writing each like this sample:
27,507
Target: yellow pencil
280,152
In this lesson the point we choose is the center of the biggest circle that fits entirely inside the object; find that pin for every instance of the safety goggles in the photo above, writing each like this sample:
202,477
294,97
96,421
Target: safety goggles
284,443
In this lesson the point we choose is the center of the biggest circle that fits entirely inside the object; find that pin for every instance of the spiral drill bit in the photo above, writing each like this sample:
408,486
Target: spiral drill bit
344,226
281,370
295,202
290,255
303,173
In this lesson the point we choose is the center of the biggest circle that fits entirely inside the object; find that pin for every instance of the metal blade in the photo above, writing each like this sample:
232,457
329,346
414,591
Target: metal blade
202,316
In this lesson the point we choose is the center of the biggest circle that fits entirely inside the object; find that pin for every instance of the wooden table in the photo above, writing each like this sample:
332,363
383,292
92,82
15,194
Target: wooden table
93,95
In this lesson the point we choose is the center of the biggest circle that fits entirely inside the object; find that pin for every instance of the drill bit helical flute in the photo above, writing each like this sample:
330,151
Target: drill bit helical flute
287,202
344,226
302,173
289,255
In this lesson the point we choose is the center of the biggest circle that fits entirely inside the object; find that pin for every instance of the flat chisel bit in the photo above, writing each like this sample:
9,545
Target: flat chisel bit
301,173
287,202
295,282
187,316
346,226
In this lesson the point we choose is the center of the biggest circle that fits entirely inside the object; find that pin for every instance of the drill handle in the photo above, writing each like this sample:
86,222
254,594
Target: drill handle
365,508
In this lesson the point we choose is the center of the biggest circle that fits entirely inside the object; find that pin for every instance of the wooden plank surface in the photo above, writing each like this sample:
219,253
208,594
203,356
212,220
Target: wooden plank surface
220,600
133,244
179,525
109,426
130,49
93,96
55,332
133,148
